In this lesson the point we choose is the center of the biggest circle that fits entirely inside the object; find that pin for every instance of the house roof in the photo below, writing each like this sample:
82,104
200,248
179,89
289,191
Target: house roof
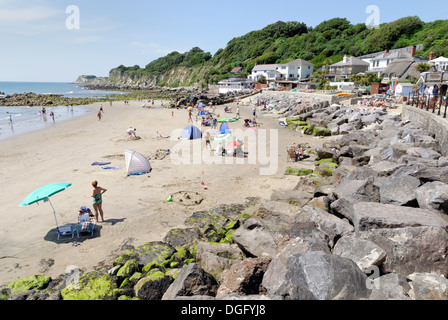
439,59
301,62
403,68
352,61
265,67
236,69
392,55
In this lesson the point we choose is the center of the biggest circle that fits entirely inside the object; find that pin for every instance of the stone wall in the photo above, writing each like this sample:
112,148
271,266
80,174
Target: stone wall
430,122
321,96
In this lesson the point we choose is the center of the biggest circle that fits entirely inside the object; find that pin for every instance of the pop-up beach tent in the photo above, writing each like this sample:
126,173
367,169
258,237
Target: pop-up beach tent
201,113
224,128
191,133
136,163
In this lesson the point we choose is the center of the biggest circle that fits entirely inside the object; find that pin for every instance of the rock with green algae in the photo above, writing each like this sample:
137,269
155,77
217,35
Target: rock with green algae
150,252
129,268
298,172
153,286
28,283
96,285
204,218
321,132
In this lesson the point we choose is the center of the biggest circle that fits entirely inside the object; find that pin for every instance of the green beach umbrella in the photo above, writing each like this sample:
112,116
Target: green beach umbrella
43,194
222,137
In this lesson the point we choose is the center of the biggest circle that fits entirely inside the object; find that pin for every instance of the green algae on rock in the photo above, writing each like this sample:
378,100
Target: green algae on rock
29,283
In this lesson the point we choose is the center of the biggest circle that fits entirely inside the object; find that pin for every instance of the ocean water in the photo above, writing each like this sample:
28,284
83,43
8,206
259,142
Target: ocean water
70,90
19,120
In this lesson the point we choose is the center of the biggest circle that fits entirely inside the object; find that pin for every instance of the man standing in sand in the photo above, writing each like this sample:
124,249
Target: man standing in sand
207,140
97,195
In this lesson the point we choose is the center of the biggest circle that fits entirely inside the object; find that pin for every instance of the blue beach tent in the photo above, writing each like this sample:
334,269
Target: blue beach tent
191,133
224,128
201,113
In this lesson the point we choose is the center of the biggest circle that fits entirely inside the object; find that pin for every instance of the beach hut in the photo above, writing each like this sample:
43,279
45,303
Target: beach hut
191,133
224,128
136,163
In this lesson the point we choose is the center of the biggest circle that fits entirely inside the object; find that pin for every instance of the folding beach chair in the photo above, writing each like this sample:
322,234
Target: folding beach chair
65,231
85,225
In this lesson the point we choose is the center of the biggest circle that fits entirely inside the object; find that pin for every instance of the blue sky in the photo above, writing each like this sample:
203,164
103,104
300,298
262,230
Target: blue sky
36,44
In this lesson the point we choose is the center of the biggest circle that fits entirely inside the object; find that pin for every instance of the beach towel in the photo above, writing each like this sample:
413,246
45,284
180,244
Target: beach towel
111,168
101,163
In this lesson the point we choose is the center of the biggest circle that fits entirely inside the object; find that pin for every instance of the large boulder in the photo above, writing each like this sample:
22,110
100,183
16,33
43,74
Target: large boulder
399,190
255,240
427,286
317,275
192,280
433,195
364,253
331,225
153,286
244,278
412,249
391,286
274,279
371,215
150,252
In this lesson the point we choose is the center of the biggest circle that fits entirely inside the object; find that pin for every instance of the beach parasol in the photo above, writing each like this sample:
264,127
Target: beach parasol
222,137
43,194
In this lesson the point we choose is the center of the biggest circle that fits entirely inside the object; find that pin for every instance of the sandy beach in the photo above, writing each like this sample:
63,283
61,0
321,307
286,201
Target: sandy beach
135,208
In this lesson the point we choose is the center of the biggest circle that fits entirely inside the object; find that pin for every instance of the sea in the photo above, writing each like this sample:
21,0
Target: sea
23,119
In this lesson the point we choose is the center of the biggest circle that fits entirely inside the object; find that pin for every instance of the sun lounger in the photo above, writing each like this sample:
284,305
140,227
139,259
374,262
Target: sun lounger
85,225
65,231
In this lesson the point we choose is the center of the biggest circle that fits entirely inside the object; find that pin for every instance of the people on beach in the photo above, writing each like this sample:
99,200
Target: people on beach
97,195
207,140
52,115
299,153
101,108
10,120
189,116
132,132
99,115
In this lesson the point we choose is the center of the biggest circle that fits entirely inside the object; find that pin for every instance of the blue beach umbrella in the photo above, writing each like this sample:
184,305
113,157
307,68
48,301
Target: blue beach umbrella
43,194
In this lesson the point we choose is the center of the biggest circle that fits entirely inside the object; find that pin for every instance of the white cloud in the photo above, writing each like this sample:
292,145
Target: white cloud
27,14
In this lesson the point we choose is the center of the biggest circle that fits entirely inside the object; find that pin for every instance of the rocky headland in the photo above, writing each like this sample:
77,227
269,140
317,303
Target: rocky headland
367,223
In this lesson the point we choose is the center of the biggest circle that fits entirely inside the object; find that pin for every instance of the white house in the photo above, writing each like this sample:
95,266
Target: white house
298,69
440,64
404,89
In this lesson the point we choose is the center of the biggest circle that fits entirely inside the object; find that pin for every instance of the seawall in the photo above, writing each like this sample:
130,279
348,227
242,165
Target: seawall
431,122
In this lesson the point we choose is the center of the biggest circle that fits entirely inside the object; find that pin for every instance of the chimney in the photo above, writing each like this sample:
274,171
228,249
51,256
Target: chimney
345,59
431,55
413,49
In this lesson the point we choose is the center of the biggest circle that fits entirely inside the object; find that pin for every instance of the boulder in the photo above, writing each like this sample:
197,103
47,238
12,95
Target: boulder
372,215
181,236
412,249
399,190
423,152
364,253
277,215
427,286
153,286
292,196
216,258
328,223
386,168
274,279
192,280
150,252
433,195
317,275
255,240
244,278
391,286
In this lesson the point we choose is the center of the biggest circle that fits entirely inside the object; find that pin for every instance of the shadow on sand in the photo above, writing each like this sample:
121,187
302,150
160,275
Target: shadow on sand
52,234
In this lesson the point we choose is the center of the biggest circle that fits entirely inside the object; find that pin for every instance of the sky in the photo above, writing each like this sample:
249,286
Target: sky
58,40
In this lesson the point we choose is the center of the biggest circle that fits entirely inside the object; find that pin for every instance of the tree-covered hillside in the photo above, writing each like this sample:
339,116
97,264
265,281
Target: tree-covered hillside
285,41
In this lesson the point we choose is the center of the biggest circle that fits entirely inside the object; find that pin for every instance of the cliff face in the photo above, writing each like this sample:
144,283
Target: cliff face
180,76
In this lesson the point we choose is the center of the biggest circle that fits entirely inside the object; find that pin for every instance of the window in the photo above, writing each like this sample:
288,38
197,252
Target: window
283,67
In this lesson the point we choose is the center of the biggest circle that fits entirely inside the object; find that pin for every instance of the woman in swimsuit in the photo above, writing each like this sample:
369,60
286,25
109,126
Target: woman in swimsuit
98,200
